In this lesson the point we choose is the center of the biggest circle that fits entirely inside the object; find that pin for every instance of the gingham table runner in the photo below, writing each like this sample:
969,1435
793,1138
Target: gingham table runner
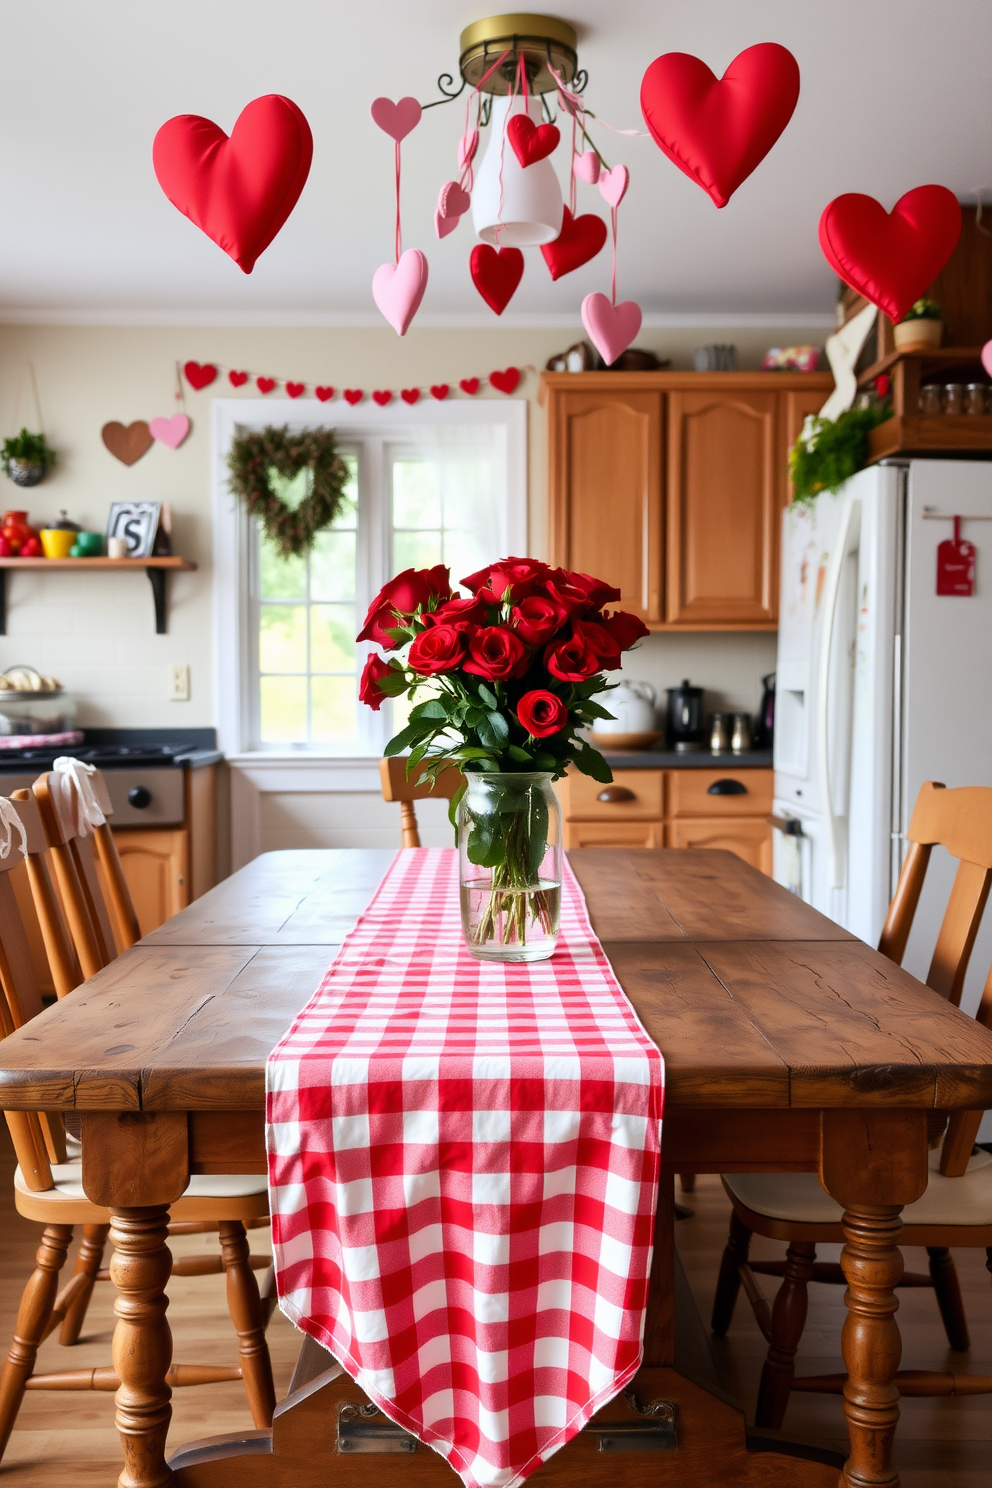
463,1168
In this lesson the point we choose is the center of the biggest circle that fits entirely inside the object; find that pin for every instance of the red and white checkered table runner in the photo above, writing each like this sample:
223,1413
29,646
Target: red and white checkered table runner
463,1167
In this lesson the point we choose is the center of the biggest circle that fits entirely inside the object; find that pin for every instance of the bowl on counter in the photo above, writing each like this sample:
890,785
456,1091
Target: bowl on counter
34,705
618,743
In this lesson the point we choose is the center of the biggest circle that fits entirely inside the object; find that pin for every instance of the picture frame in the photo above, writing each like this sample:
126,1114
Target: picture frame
138,523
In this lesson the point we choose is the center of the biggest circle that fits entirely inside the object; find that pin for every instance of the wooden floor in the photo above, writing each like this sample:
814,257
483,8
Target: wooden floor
941,1443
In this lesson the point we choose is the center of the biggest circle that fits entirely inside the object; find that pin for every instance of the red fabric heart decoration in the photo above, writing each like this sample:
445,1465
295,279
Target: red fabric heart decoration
323,393
891,257
353,396
238,190
382,398
237,379
469,385
265,384
294,389
580,239
199,377
531,142
410,395
717,131
505,382
439,390
496,274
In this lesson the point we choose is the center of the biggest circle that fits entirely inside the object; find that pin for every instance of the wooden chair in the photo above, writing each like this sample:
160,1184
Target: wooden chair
48,1188
396,787
957,1206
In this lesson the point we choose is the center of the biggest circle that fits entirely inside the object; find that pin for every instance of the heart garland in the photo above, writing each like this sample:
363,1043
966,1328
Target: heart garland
891,257
398,288
505,381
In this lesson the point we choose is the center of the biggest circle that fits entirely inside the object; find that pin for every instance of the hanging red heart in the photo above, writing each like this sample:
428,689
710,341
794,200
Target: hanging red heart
410,395
237,379
496,274
719,130
382,397
265,384
580,239
469,385
294,389
238,190
439,390
891,257
505,382
199,377
324,393
353,396
531,142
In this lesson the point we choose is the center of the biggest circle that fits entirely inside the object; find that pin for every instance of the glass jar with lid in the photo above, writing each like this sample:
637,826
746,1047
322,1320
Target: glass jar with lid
953,397
931,399
974,398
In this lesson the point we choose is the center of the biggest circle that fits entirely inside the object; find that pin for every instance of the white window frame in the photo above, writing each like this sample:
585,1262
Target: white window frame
234,643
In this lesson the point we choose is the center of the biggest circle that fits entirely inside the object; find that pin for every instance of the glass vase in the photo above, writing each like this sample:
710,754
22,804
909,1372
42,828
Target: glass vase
509,858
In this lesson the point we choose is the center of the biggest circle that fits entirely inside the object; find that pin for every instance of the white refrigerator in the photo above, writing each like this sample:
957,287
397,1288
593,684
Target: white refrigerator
881,685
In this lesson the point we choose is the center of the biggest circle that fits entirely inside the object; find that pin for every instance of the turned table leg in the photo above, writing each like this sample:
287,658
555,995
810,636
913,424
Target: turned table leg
872,1347
140,1269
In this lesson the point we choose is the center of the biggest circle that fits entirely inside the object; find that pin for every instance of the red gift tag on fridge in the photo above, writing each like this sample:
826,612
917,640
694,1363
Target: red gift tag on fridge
956,564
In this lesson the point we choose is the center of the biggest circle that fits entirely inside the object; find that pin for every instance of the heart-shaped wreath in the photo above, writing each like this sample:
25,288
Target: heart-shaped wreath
253,459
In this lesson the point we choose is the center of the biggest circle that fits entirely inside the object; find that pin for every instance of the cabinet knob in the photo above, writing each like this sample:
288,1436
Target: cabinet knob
139,796
615,793
727,788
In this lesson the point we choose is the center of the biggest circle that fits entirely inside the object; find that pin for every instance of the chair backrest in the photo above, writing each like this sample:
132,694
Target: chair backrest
397,787
961,821
58,950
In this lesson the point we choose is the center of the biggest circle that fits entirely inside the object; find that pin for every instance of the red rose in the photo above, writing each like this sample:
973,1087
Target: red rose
582,591
466,609
439,649
602,642
573,660
411,590
496,653
369,690
537,617
519,575
541,713
625,629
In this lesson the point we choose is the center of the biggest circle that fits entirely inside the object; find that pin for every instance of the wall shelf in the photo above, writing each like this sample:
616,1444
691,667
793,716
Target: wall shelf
909,432
155,568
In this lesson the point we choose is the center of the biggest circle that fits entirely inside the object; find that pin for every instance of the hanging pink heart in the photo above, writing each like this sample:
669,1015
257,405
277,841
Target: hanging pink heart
586,167
987,357
613,184
399,288
467,146
611,328
396,119
452,204
171,431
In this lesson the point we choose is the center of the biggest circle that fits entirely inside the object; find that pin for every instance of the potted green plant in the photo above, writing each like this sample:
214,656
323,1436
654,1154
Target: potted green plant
26,458
922,325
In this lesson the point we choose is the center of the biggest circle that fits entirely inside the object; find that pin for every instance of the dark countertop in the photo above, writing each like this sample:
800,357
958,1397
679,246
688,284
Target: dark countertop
202,751
697,759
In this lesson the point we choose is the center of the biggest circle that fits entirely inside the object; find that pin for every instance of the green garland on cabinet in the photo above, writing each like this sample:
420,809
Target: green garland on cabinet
828,452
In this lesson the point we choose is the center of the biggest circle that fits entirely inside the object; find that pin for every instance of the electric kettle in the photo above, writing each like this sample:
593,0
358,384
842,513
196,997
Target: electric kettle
685,717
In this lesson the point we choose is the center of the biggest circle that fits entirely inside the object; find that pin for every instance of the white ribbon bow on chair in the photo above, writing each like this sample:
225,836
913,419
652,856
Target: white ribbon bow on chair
80,796
9,822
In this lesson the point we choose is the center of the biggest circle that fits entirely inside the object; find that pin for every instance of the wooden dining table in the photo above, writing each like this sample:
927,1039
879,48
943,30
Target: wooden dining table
789,1045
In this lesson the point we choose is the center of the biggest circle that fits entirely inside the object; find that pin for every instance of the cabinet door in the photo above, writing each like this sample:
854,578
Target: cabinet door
750,840
723,500
605,479
612,834
795,405
156,867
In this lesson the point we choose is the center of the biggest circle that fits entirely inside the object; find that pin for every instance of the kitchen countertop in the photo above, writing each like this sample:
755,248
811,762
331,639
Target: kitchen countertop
697,759
202,751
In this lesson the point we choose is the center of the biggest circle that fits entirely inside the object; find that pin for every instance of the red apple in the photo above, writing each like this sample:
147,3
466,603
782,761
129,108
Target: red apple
7,549
31,548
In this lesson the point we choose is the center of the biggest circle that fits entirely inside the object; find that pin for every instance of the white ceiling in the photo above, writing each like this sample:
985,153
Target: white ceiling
894,93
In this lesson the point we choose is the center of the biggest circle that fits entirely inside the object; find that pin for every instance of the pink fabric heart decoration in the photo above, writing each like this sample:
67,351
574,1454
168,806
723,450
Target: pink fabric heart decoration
613,184
531,142
587,167
467,146
237,190
399,288
718,130
396,119
171,431
891,257
987,357
611,328
452,204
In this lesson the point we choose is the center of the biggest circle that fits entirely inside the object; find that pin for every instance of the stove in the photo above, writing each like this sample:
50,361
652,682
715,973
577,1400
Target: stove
146,781
104,756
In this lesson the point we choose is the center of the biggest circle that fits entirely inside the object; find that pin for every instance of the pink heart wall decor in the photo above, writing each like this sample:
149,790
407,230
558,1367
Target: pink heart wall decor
171,431
396,119
891,257
587,167
239,190
399,288
613,184
611,328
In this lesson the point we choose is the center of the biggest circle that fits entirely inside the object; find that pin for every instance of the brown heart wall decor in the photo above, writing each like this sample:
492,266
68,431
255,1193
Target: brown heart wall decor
127,444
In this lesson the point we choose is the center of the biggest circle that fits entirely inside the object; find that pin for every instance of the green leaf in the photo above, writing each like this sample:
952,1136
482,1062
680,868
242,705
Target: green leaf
590,709
487,734
521,755
473,717
453,804
487,696
412,734
544,761
433,708
499,726
416,755
592,763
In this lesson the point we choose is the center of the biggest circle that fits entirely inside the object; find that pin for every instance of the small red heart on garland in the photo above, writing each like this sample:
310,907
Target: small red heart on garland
294,389
382,397
580,239
439,390
353,396
265,384
469,385
496,274
531,142
323,393
505,382
199,377
410,395
237,379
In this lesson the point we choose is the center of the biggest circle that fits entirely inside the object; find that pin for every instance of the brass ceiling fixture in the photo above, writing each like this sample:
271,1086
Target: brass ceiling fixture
544,45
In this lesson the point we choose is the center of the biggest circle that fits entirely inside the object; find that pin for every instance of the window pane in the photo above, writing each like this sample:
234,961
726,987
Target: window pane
284,710
416,494
465,553
282,641
334,707
416,550
348,511
282,578
332,638
332,566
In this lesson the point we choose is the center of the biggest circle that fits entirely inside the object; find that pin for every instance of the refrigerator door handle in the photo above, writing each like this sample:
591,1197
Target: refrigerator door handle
823,690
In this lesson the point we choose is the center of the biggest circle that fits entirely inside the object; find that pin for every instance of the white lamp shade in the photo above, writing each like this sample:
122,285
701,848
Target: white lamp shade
514,206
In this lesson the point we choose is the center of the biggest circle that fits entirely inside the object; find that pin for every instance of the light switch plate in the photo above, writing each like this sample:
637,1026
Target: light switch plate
179,684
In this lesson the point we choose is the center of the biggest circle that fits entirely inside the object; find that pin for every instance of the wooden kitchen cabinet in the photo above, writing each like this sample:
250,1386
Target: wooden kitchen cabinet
750,839
156,867
614,834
